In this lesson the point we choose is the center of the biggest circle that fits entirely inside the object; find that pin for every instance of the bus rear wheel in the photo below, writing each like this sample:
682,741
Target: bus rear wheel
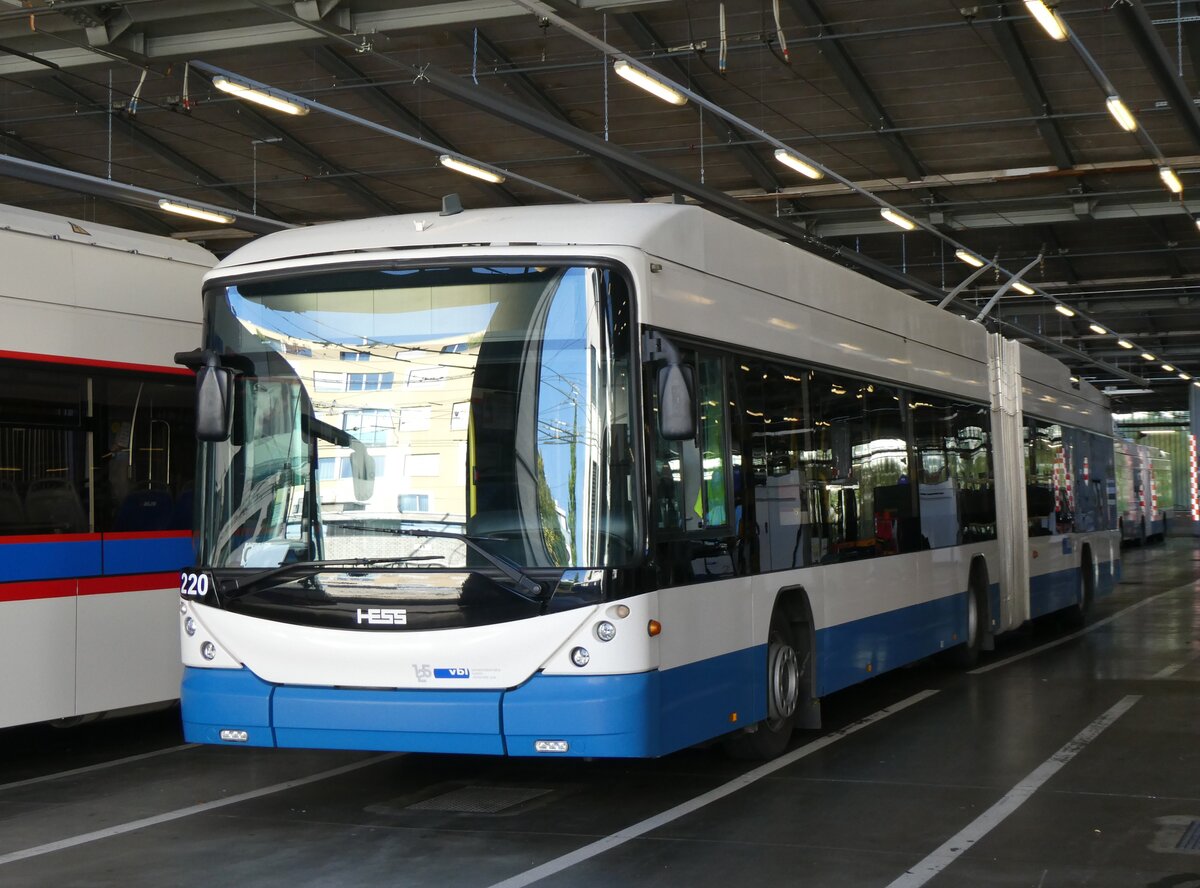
786,671
1075,616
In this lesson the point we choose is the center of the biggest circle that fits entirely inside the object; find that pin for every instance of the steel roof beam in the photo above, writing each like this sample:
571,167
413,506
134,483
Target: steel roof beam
1031,88
132,130
648,41
384,102
1150,47
521,84
851,78
1056,251
147,221
1160,231
263,128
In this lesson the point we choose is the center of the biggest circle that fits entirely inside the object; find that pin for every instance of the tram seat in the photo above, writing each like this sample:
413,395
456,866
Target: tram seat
145,510
12,509
53,505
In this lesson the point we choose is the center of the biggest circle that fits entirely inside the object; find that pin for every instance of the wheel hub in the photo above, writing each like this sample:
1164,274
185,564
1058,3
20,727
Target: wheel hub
783,691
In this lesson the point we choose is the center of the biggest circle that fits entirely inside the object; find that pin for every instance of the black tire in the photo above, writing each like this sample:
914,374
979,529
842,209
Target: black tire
787,670
966,655
1075,617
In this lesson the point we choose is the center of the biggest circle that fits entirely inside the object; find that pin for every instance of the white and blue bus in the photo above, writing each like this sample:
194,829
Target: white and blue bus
606,481
97,456
1143,475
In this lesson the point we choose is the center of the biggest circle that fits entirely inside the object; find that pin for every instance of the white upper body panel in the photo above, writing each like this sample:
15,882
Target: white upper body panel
697,273
74,288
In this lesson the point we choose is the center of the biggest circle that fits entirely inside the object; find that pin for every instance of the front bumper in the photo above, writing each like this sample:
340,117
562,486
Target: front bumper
600,716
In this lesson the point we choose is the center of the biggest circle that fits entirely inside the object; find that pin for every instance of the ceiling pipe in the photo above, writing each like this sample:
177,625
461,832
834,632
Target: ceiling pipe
56,177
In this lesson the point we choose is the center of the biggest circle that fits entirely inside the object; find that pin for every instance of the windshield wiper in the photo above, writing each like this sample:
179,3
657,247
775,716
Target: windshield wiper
311,568
524,586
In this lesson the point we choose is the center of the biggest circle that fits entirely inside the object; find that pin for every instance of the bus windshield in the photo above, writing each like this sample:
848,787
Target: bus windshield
491,402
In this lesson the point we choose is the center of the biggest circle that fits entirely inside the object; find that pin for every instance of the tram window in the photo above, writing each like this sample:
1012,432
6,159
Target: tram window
691,489
954,472
773,412
144,453
1046,489
861,495
43,468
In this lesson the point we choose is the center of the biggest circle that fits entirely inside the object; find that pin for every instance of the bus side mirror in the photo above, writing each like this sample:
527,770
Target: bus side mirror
676,402
362,470
214,403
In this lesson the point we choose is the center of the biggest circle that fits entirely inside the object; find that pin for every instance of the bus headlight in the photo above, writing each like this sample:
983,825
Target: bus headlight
189,626
580,657
208,650
606,631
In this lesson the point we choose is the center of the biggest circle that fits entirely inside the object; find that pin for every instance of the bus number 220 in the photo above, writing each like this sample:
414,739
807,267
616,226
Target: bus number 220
193,585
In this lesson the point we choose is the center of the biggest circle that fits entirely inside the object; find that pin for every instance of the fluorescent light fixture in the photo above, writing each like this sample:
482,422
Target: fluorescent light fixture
1048,19
1148,357
649,83
1074,379
1096,328
1023,288
898,219
969,258
1121,114
1185,376
181,209
469,169
1168,368
1063,310
258,96
788,159
1170,180
1124,343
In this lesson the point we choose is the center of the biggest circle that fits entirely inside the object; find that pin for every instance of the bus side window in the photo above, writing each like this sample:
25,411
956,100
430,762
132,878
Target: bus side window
690,477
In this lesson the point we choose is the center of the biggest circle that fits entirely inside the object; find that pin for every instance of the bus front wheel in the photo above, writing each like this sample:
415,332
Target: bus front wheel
786,670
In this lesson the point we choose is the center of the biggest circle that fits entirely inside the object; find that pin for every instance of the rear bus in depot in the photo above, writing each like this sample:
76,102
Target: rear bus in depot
97,464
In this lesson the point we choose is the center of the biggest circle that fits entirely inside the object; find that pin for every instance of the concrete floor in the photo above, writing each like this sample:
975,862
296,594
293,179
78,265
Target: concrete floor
1063,761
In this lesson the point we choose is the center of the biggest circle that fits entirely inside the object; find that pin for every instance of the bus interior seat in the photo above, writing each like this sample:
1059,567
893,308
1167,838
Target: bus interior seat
145,510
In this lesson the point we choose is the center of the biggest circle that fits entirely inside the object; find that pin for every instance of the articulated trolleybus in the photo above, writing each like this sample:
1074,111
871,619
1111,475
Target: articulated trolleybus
606,481
97,456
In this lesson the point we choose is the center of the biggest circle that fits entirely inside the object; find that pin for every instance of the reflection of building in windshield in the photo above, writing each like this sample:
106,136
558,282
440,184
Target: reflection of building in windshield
409,404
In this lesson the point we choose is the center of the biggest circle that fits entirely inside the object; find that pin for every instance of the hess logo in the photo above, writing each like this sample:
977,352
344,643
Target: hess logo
382,616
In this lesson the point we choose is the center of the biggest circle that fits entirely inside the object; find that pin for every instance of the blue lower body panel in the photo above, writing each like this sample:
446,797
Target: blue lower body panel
217,699
852,652
615,716
409,721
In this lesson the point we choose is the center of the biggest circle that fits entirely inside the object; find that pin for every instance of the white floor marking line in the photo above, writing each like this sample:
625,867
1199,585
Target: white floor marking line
99,766
566,861
956,845
133,825
1092,628
1172,669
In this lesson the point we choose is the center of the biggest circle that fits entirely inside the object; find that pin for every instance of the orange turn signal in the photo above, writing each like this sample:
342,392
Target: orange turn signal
654,628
